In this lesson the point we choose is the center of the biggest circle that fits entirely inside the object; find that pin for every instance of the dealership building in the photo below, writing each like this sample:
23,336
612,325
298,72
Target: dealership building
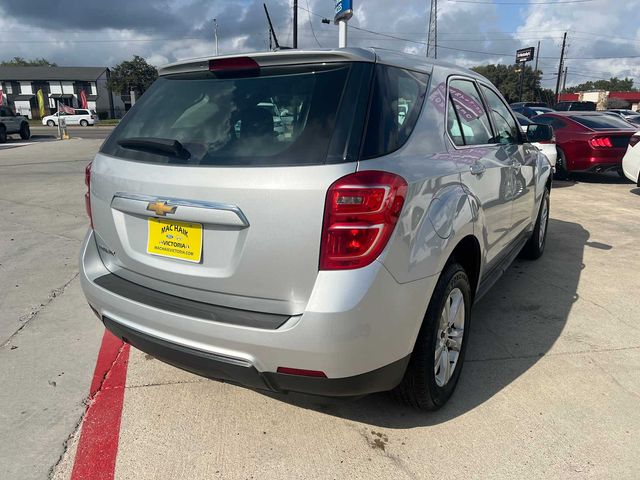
602,98
20,86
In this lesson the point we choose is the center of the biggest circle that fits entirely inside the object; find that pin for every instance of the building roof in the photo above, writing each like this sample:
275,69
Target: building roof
629,96
83,74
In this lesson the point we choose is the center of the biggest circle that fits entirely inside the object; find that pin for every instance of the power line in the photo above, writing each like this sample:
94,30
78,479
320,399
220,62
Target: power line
311,25
560,2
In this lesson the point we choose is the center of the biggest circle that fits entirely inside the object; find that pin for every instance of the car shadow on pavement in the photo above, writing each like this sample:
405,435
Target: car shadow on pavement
611,178
635,191
513,326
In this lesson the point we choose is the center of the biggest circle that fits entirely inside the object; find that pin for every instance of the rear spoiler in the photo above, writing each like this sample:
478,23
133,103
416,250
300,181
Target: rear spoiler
282,57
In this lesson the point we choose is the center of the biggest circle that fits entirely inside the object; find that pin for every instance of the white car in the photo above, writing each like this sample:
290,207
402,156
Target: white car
82,117
631,161
548,148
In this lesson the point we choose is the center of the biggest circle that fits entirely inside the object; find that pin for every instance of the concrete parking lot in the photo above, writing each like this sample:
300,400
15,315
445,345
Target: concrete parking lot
550,388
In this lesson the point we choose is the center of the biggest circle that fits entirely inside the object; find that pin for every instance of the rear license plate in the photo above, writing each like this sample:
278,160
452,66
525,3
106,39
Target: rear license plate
174,239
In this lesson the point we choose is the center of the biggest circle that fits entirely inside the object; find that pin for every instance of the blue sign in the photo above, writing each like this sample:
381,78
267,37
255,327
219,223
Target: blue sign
344,10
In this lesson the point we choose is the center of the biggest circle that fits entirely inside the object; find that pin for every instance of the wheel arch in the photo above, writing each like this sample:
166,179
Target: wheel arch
469,255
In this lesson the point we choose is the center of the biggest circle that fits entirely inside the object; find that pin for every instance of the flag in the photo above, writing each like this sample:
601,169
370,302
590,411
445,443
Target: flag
1,97
83,100
67,109
40,97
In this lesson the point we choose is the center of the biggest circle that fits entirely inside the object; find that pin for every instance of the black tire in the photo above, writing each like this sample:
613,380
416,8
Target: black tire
418,388
84,123
25,131
51,123
561,167
3,134
534,248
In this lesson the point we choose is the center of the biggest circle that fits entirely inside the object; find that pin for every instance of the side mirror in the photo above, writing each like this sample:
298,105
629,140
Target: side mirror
539,133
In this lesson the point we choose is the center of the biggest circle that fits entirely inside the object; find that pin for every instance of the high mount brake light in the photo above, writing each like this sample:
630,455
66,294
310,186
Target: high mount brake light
87,195
361,211
601,142
235,65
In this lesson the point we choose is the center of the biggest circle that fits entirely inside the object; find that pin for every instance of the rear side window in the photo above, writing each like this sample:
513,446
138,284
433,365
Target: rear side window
505,126
472,124
601,122
398,96
281,116
556,123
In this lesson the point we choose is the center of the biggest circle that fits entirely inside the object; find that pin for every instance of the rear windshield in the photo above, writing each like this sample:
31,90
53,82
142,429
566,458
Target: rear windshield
601,122
283,116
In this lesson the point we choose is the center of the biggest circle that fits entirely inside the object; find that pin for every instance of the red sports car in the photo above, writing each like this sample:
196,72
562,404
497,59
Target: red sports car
588,141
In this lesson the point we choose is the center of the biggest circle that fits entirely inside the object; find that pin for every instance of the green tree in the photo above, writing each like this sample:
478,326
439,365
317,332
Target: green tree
614,84
21,62
135,74
506,78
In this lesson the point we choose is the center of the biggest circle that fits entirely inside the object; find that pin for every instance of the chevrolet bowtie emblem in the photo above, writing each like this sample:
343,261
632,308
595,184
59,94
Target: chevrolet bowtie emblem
161,208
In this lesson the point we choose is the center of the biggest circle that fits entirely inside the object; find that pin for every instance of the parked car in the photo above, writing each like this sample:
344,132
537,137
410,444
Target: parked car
546,147
632,119
11,123
528,104
576,107
624,113
588,141
342,260
82,117
531,112
631,160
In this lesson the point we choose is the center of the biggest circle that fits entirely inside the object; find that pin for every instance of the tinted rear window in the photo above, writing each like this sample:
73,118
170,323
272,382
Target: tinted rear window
283,116
601,122
398,96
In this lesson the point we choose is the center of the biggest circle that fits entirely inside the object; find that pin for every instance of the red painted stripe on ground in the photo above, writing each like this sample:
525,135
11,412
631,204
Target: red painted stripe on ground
98,445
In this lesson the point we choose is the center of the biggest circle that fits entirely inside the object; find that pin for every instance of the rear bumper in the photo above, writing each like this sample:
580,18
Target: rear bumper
244,373
598,163
359,328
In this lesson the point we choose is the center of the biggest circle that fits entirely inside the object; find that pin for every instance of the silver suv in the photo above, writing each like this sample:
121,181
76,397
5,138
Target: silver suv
341,258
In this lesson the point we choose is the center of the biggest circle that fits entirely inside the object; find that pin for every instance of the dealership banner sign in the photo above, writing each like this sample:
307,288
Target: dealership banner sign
525,55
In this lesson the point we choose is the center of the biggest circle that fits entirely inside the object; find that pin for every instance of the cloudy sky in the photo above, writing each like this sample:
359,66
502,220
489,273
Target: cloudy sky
603,35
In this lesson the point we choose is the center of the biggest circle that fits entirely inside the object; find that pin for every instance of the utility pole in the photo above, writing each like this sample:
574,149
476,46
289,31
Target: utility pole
215,34
564,79
535,74
295,23
432,37
271,30
561,66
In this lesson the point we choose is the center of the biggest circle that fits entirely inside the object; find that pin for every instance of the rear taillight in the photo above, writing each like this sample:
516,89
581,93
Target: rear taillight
87,195
601,142
361,211
633,141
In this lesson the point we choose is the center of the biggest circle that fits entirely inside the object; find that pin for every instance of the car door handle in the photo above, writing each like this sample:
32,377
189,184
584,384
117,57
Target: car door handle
477,169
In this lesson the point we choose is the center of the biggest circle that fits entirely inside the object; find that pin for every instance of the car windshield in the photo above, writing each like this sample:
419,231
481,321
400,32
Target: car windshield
601,122
283,116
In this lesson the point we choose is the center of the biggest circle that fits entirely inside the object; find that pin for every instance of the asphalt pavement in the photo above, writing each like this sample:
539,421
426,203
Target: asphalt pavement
550,387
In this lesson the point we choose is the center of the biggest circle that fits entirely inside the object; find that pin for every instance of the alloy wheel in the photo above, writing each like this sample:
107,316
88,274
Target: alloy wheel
449,337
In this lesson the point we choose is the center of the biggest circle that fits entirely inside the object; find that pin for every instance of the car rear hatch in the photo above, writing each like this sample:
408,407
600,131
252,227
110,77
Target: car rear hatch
198,193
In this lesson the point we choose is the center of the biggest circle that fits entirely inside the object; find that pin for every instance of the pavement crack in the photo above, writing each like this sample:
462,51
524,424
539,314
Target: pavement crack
162,384
26,319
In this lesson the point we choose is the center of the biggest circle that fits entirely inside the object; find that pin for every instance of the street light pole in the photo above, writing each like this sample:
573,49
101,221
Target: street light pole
295,23
215,34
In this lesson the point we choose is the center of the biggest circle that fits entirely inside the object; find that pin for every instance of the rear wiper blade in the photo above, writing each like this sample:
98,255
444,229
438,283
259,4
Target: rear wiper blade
162,146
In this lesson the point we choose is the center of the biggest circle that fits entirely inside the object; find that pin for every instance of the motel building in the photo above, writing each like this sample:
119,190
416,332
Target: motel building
20,86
